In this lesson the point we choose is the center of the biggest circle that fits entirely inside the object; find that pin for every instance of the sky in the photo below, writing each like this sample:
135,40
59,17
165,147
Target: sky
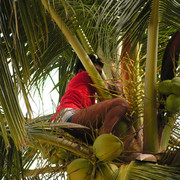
50,99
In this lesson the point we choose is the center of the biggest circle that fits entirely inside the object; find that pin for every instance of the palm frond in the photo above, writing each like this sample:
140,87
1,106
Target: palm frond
153,171
11,162
11,108
172,17
44,133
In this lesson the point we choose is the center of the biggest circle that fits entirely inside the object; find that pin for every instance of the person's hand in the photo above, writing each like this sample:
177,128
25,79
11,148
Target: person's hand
115,87
118,86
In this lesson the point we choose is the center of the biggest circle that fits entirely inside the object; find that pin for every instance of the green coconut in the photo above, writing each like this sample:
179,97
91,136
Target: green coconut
79,169
175,83
107,147
121,128
173,103
165,87
106,172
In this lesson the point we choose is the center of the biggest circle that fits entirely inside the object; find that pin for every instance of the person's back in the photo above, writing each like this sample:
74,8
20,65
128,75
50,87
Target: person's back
79,94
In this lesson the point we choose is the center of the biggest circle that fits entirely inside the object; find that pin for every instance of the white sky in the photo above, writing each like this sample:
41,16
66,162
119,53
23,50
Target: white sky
50,99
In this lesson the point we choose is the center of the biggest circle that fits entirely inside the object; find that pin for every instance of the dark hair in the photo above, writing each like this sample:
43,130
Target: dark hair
95,60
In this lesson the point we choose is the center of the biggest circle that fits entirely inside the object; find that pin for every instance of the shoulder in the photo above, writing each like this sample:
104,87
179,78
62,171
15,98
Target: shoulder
83,74
80,76
83,77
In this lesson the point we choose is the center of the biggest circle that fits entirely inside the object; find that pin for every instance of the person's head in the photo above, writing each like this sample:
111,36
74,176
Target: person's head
95,60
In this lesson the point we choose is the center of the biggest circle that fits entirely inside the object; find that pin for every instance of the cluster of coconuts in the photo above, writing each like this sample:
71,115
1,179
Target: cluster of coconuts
106,147
171,88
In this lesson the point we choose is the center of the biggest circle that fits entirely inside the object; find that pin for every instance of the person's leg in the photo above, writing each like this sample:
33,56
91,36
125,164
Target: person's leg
113,116
103,115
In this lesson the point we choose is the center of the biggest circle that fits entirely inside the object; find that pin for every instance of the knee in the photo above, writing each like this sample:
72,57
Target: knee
122,102
119,104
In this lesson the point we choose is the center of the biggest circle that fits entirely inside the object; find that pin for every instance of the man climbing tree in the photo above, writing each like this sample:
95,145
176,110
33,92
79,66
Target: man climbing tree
78,103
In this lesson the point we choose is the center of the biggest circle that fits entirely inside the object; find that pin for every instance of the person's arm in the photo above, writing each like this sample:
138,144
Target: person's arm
115,87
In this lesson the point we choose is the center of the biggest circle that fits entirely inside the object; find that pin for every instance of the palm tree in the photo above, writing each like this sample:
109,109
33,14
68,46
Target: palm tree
40,36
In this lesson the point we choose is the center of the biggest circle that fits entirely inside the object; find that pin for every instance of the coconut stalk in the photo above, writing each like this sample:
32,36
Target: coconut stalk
150,109
80,51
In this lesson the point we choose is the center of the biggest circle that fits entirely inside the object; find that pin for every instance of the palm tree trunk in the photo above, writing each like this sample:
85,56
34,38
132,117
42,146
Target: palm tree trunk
150,109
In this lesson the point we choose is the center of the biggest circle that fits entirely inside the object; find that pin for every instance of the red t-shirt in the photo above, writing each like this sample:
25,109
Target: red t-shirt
79,94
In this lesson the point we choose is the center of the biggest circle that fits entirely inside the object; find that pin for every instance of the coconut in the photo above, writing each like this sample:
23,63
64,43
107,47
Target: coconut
106,171
107,147
79,169
121,128
173,103
165,87
175,83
